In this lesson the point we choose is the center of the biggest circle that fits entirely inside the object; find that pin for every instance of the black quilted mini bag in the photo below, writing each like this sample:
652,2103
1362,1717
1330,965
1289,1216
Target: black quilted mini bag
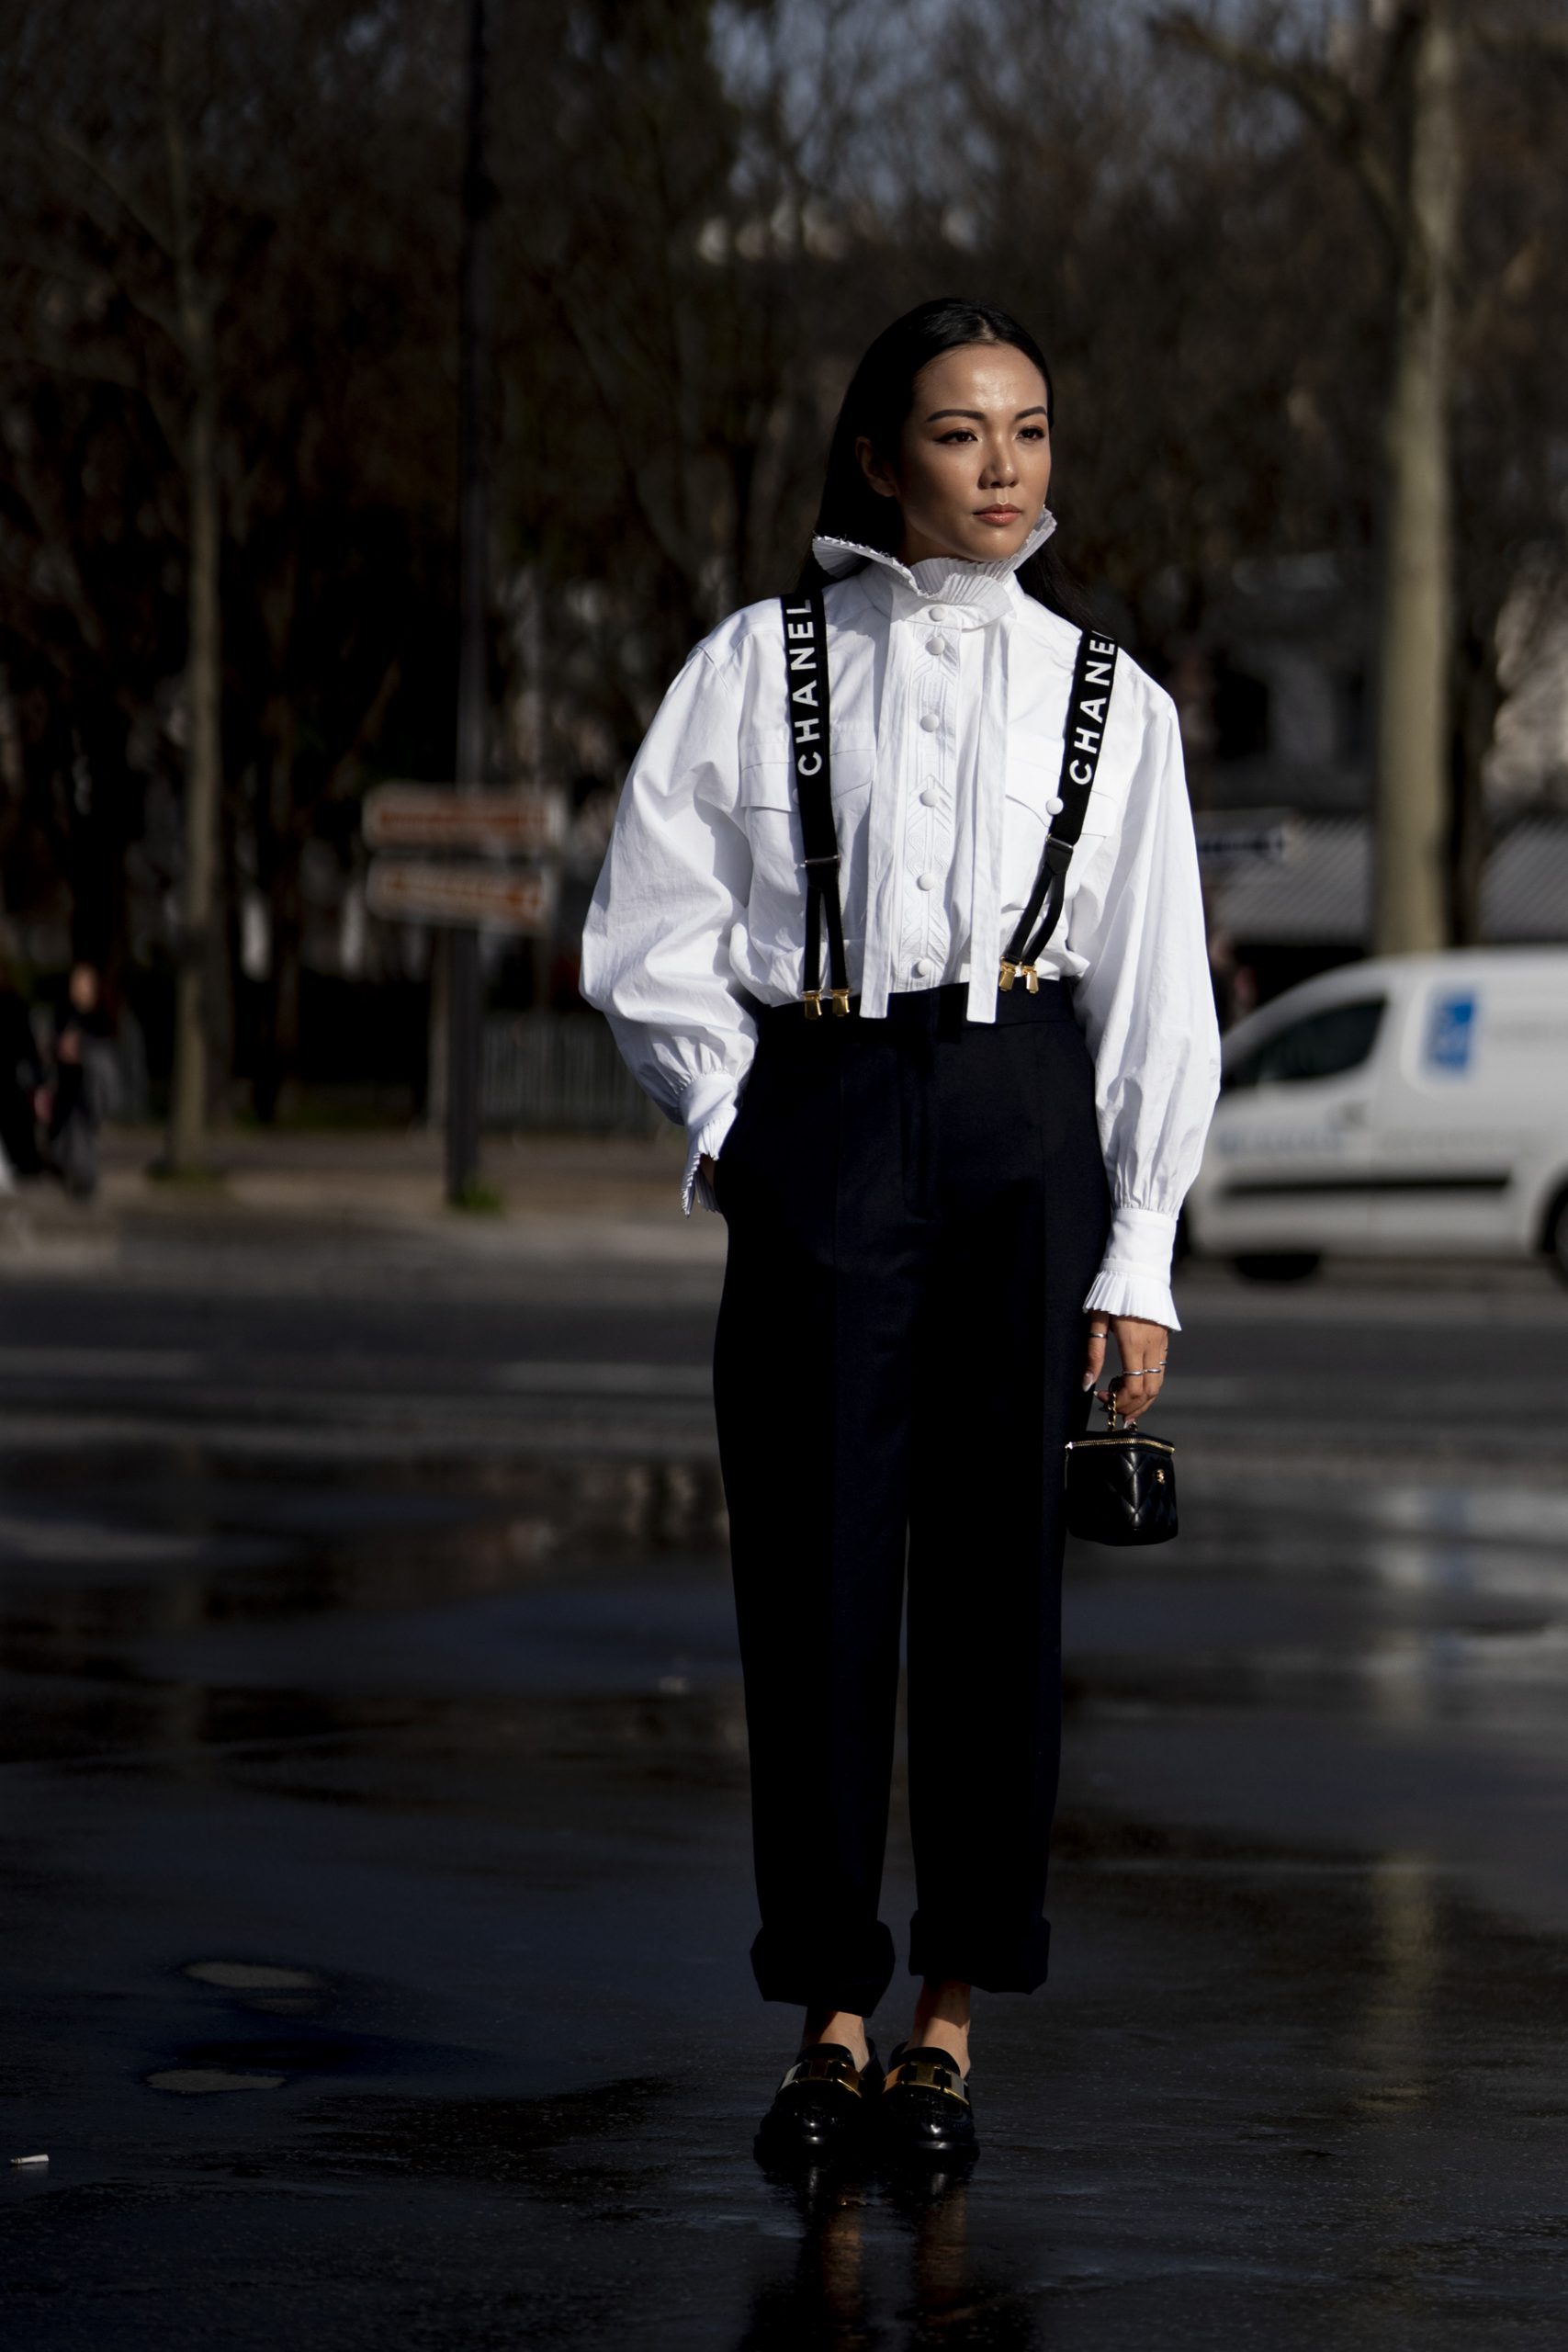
1120,1484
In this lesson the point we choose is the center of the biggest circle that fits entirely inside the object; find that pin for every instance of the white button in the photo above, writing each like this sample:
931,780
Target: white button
938,612
1054,806
936,644
927,881
929,798
924,967
930,720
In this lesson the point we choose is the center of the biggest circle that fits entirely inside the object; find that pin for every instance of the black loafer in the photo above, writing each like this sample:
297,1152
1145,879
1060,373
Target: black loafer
925,2109
822,2107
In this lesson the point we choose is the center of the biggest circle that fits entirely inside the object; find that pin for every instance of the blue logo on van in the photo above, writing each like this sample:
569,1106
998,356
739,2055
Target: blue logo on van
1451,1033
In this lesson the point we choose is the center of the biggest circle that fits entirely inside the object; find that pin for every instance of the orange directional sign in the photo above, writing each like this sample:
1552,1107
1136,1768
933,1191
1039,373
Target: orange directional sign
484,898
521,821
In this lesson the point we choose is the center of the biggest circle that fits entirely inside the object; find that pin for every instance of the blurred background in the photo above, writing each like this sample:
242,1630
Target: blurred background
391,394
229,537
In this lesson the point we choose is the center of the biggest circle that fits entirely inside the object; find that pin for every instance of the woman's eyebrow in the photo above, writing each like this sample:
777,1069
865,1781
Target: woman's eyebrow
978,414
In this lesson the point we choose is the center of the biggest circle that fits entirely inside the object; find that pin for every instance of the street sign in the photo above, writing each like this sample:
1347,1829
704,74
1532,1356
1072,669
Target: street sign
521,821
485,898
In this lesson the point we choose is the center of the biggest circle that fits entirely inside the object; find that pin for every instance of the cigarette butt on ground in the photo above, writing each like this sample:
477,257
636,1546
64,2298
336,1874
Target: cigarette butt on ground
30,2160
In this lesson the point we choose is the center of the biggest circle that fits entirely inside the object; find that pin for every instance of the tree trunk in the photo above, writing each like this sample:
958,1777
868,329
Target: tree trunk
1478,697
279,846
104,822
188,1097
286,944
1411,796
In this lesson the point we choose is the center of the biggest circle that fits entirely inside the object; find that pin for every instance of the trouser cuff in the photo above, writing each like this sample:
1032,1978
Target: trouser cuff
998,1961
848,1969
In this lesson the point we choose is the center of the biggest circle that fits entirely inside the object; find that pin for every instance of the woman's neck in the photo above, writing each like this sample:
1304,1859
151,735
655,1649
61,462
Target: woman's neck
917,550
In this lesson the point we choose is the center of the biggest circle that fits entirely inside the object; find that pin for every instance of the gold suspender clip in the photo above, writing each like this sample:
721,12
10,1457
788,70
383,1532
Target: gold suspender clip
812,1001
1011,973
841,1001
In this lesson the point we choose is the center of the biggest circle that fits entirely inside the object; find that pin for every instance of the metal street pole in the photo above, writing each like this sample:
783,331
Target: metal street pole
473,523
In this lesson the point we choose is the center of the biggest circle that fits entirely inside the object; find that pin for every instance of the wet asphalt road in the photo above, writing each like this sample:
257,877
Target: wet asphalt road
375,1862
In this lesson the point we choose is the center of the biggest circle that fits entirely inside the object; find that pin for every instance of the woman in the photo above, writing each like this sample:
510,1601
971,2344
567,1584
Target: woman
941,1198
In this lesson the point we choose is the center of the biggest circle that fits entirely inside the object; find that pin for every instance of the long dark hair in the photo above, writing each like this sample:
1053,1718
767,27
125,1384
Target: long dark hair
880,396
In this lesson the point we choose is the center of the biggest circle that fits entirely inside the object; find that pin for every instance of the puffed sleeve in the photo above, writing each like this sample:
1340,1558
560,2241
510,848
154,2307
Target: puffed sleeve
1147,1008
674,882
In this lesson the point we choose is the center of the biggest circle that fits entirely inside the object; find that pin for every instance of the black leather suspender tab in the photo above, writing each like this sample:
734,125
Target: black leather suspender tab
1094,673
806,666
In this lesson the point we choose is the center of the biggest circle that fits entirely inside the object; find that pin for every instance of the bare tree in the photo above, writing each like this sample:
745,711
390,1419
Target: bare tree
227,394
1384,99
214,224
191,328
1384,93
119,233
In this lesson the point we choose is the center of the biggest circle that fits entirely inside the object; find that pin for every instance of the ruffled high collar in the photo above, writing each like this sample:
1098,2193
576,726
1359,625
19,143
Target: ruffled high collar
973,593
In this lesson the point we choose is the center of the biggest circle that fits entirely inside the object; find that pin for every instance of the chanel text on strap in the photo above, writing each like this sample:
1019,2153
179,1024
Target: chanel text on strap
806,664
1093,676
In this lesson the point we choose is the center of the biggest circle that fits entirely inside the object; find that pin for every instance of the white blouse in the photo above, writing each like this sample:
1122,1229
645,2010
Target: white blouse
949,697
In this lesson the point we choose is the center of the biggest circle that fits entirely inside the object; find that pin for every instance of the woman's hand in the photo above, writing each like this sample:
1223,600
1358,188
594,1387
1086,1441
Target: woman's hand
1142,1347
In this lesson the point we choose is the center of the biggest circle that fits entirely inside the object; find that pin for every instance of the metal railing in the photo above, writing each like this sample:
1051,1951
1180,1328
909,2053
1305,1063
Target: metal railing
560,1070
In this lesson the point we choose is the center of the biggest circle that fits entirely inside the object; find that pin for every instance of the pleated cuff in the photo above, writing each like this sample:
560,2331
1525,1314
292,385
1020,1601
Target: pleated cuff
705,1138
1134,1273
1117,1290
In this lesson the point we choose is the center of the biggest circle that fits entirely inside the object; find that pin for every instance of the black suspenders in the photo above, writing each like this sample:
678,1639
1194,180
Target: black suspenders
806,661
1086,705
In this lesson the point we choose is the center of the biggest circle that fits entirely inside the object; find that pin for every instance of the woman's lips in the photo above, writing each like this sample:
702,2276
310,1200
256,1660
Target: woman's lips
998,515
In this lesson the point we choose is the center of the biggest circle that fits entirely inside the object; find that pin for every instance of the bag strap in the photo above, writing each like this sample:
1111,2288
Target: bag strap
806,667
1094,675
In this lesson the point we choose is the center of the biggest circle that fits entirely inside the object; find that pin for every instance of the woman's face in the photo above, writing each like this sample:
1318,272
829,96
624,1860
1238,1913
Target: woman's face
973,461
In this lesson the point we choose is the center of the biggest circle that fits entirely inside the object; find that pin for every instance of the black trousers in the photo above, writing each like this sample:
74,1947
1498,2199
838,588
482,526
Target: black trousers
915,1207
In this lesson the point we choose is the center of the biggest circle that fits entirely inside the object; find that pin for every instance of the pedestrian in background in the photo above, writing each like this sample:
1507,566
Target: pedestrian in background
85,1083
942,1196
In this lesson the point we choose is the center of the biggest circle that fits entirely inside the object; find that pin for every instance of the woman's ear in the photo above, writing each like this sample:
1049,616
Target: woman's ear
878,474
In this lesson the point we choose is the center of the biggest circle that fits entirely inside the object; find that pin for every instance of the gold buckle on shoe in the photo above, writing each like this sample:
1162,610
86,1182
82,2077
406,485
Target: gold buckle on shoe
824,2066
926,2075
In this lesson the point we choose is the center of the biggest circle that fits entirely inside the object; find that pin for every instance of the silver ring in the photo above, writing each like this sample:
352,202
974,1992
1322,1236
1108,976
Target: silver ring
1142,1371
1099,1335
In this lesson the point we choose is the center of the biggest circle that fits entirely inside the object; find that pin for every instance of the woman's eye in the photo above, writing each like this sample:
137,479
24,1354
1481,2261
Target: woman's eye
1033,433
958,434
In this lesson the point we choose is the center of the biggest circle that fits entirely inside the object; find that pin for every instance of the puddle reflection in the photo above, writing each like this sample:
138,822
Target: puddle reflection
170,1550
1393,2043
199,2081
849,2282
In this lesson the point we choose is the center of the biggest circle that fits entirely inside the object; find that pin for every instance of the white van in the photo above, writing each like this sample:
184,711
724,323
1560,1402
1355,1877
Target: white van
1412,1105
